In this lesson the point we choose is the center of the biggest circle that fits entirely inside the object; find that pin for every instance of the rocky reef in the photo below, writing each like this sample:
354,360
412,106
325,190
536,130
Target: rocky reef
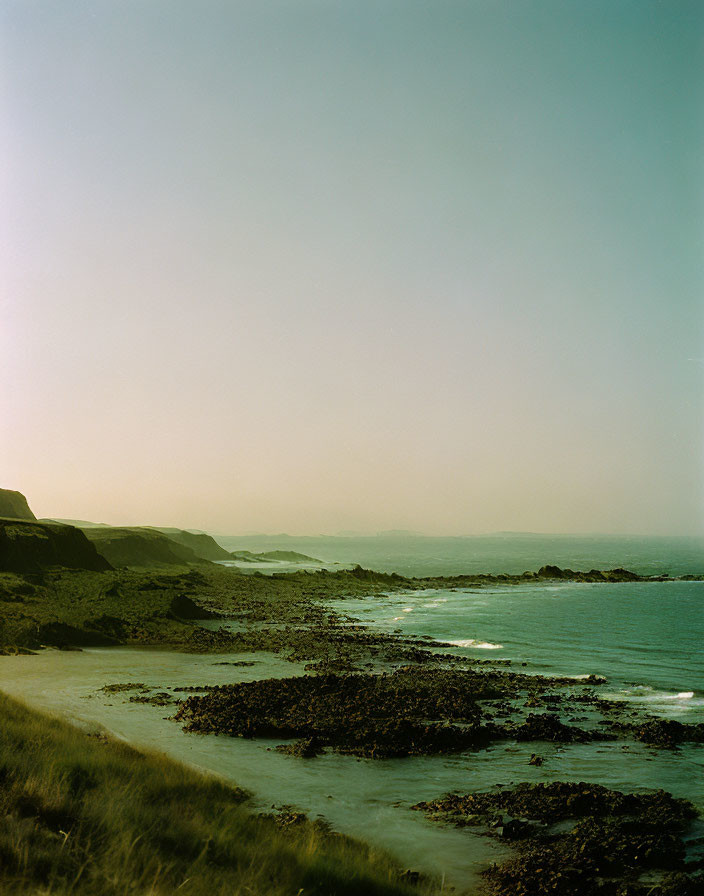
664,732
368,715
580,839
410,711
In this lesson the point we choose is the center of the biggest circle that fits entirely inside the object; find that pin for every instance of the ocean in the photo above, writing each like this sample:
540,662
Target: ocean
418,555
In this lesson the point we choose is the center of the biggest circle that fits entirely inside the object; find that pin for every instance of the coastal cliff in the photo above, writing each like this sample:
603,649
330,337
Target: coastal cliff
140,546
13,505
202,545
30,546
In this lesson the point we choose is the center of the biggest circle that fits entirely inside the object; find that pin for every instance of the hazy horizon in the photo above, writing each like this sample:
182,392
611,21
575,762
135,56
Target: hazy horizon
306,266
384,533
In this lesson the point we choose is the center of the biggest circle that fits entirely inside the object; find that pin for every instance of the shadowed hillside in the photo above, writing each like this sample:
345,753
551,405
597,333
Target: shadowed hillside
201,544
29,546
140,546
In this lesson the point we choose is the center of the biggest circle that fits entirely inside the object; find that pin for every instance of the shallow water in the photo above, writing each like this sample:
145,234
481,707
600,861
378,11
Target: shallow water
364,798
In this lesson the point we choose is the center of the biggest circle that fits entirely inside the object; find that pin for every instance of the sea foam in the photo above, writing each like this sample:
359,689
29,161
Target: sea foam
649,694
473,642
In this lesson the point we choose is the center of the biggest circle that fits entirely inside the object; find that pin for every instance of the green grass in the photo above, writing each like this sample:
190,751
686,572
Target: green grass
88,815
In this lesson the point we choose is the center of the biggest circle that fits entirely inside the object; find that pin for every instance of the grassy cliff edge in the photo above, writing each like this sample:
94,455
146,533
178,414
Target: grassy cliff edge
88,815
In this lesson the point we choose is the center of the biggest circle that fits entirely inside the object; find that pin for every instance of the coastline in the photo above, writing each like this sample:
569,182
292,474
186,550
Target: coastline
289,616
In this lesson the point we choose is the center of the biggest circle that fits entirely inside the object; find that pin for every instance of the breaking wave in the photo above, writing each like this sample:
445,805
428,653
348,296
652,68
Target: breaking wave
474,642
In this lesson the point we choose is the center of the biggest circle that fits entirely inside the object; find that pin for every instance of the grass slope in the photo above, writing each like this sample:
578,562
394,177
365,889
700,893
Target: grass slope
14,505
87,815
200,543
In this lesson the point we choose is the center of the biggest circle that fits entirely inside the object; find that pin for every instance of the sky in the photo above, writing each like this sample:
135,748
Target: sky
308,266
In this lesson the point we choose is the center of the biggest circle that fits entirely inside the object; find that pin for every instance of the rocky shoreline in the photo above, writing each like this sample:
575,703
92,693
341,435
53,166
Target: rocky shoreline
380,695
60,607
571,839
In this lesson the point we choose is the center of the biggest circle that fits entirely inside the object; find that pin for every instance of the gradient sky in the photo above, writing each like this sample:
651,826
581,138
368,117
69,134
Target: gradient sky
306,265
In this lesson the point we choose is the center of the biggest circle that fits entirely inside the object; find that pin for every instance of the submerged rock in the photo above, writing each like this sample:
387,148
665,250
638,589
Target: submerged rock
308,748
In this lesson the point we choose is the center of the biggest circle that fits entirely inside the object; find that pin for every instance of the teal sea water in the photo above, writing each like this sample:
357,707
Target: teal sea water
646,638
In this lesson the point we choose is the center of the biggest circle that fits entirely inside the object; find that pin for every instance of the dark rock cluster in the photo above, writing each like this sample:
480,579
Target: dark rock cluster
665,732
581,839
413,710
548,727
399,714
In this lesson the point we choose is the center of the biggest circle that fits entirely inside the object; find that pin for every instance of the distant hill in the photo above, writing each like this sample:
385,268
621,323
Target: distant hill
29,546
271,556
13,505
286,557
244,556
201,544
399,533
140,546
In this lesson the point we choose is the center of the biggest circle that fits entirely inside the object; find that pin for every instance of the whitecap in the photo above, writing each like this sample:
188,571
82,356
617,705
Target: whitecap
473,642
408,609
648,694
